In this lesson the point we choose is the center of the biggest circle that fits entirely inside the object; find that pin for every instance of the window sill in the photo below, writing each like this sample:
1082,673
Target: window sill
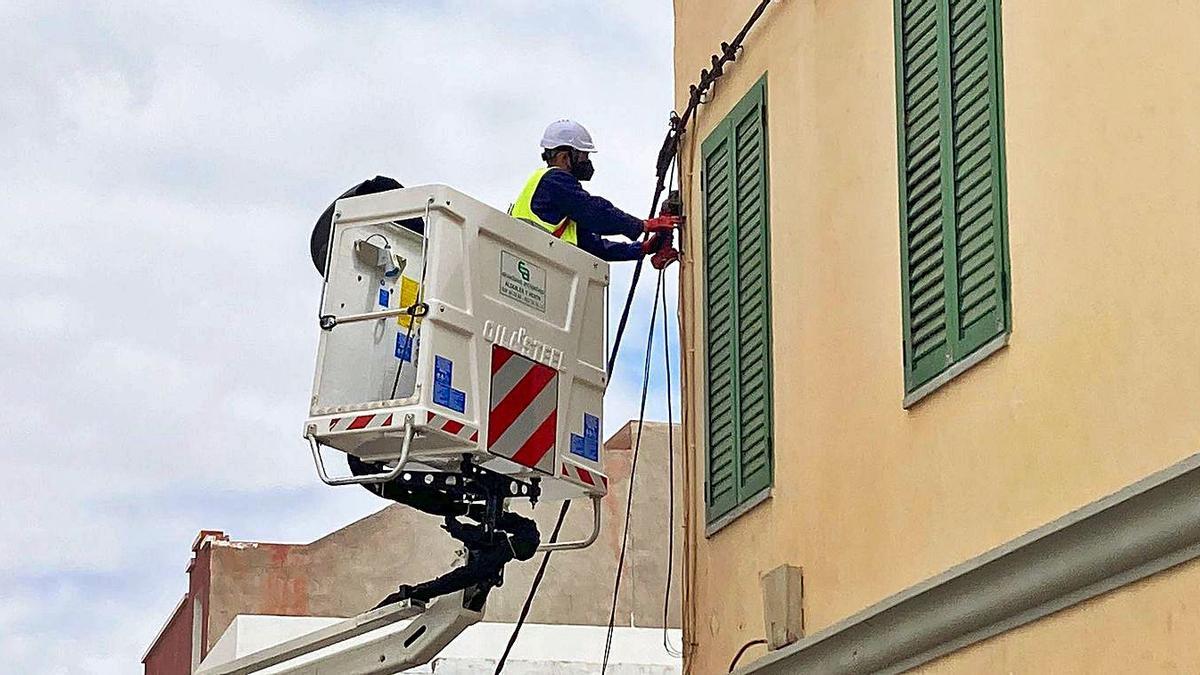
998,343
742,509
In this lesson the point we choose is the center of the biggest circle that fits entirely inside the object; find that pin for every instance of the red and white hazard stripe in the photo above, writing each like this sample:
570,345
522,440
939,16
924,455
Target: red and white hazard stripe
357,422
523,415
580,475
453,427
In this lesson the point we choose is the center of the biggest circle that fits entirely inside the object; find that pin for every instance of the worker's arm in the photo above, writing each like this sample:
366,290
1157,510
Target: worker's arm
612,251
560,195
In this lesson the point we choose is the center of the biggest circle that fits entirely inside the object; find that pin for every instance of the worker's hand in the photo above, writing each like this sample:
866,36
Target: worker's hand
664,257
655,242
663,224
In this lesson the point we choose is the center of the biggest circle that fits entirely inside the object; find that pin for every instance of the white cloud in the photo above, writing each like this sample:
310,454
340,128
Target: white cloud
164,162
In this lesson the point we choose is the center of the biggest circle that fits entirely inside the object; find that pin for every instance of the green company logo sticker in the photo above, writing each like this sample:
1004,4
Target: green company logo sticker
522,281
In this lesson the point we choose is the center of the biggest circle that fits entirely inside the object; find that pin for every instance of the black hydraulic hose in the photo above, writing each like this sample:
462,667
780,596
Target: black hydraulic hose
537,581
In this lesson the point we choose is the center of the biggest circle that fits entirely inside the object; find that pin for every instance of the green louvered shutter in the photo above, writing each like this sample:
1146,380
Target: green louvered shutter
979,236
753,292
737,306
920,73
721,486
951,182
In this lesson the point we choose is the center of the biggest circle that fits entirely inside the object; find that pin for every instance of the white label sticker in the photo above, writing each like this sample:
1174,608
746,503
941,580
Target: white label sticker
522,281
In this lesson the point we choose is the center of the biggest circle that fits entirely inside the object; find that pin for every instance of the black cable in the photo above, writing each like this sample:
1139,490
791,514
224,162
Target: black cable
537,581
637,267
737,657
667,155
537,578
612,615
408,345
637,273
612,360
386,243
729,52
416,310
670,149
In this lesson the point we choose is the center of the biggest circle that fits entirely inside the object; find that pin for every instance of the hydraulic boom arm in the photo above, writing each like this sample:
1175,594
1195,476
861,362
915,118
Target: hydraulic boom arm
431,630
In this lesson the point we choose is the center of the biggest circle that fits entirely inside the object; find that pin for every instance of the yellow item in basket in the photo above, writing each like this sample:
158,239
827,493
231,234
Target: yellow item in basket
409,290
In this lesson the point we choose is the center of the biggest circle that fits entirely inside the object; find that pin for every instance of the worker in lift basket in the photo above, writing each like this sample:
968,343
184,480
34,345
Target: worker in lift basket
555,200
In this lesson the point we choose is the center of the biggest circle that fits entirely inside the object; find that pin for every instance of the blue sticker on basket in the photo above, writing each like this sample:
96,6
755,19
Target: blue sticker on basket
443,394
587,445
443,369
403,346
591,437
385,297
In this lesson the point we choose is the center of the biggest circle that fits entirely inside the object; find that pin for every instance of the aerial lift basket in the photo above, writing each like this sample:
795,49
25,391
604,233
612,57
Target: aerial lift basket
461,350
452,330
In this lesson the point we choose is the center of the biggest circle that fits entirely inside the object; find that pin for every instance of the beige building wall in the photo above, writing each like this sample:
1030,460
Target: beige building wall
1097,388
1147,627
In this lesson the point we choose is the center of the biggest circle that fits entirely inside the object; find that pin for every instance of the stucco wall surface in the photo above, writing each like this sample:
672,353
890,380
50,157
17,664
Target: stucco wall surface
1147,627
1098,386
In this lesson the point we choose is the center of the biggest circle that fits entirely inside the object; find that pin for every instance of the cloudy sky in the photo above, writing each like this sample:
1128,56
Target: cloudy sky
162,164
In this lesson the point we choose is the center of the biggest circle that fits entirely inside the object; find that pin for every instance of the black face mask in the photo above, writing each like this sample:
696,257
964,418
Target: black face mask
582,169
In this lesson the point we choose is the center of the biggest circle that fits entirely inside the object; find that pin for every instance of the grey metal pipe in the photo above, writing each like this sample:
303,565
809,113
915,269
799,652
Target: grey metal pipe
367,479
368,316
581,543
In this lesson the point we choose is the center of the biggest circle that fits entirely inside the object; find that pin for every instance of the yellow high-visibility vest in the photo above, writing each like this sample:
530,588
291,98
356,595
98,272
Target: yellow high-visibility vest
522,209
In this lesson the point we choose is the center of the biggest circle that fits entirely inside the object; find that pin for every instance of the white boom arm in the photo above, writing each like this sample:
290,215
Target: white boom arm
428,634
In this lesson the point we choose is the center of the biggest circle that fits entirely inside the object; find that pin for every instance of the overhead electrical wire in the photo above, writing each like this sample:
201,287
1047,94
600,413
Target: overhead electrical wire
562,514
666,336
660,292
668,154
637,443
612,359
670,147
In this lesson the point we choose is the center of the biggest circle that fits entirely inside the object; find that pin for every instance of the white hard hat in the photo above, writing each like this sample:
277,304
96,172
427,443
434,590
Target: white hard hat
569,133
